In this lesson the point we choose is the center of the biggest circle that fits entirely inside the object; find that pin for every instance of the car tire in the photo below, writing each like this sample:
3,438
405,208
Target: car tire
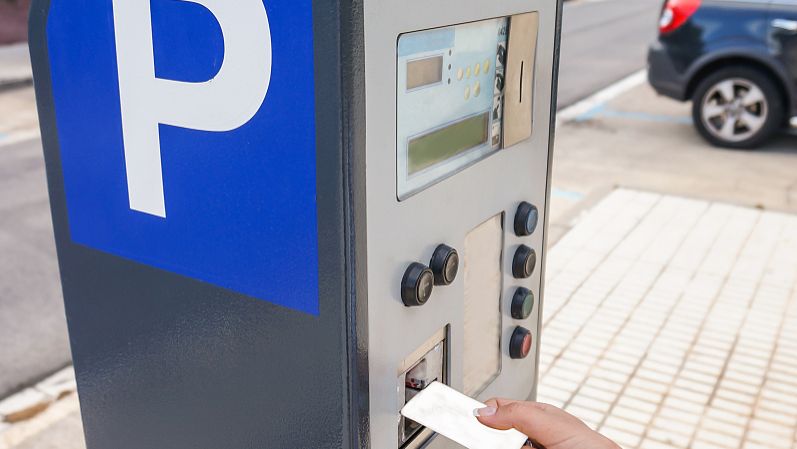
737,107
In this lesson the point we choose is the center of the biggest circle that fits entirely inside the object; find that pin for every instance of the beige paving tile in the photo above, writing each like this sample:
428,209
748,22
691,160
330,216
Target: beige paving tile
625,438
718,439
590,417
703,444
653,444
724,428
598,394
669,437
773,441
632,414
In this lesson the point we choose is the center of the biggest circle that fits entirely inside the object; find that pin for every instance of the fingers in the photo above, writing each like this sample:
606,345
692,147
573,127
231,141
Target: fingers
541,422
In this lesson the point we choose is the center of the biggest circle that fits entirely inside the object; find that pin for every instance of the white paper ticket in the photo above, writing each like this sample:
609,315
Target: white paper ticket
450,413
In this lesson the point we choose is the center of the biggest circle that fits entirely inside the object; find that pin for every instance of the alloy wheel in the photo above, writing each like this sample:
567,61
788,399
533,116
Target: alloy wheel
734,110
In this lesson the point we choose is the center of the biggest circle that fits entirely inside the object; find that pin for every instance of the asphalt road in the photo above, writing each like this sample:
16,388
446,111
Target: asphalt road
603,41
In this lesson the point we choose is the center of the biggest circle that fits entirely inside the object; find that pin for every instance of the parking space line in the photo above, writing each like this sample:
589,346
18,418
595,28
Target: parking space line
604,111
570,195
602,97
16,137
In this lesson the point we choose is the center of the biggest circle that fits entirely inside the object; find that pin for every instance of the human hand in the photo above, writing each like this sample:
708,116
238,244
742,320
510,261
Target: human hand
544,424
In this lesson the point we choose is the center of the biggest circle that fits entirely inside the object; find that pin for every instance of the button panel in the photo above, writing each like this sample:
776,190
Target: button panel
524,263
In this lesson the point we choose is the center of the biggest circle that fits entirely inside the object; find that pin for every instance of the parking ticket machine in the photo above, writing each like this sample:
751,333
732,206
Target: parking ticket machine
279,220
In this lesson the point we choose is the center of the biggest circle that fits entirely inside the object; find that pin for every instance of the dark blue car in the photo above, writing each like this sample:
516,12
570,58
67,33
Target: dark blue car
736,60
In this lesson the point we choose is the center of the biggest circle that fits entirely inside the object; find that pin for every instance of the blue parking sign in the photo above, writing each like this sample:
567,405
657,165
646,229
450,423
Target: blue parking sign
187,138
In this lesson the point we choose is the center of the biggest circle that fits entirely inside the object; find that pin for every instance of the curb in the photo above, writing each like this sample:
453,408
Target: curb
34,400
18,137
596,100
12,84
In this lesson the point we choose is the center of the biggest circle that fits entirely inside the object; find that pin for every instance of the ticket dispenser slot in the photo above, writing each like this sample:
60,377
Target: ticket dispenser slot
426,365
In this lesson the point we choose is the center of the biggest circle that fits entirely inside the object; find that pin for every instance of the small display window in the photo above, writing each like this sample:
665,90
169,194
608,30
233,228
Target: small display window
424,72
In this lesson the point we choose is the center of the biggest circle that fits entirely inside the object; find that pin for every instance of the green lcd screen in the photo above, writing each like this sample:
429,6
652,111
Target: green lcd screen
447,142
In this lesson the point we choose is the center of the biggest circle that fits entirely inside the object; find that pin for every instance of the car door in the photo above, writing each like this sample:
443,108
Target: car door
783,25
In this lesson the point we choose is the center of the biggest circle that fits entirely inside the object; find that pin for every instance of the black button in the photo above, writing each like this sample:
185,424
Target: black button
444,265
526,219
520,343
522,303
524,262
416,286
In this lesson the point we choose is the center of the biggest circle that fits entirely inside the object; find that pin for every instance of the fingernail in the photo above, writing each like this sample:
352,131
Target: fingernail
486,411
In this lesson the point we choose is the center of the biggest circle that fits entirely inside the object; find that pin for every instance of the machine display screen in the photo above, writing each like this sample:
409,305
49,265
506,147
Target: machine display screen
424,72
449,101
447,142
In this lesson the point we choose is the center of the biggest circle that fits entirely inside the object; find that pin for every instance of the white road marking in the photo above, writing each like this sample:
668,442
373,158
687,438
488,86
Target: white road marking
16,137
615,90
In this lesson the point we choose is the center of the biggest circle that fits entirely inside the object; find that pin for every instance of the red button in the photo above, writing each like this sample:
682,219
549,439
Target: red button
526,345
520,343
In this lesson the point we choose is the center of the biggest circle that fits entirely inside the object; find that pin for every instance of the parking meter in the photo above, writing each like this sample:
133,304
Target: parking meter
279,220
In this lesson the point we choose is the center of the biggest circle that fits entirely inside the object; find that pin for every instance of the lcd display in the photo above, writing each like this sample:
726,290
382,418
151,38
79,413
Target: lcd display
447,142
424,72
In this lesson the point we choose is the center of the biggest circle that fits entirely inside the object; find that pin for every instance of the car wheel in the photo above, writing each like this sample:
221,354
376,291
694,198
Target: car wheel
737,107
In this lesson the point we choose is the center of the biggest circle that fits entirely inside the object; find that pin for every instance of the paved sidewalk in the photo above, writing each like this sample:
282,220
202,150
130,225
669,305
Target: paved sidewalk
672,323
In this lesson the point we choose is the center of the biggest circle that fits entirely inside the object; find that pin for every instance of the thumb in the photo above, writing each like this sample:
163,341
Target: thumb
503,414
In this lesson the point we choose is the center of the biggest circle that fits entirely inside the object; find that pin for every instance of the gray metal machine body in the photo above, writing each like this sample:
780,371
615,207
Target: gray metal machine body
400,232
166,361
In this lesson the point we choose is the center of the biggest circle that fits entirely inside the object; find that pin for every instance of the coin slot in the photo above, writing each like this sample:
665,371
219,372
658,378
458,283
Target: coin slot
522,66
519,78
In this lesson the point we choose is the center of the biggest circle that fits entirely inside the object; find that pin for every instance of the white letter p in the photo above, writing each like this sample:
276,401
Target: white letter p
224,103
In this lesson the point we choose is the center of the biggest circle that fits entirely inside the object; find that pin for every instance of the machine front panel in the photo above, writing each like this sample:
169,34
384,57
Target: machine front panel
458,111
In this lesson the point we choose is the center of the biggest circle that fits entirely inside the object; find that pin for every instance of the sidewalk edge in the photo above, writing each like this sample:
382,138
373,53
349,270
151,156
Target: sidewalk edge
597,99
32,408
